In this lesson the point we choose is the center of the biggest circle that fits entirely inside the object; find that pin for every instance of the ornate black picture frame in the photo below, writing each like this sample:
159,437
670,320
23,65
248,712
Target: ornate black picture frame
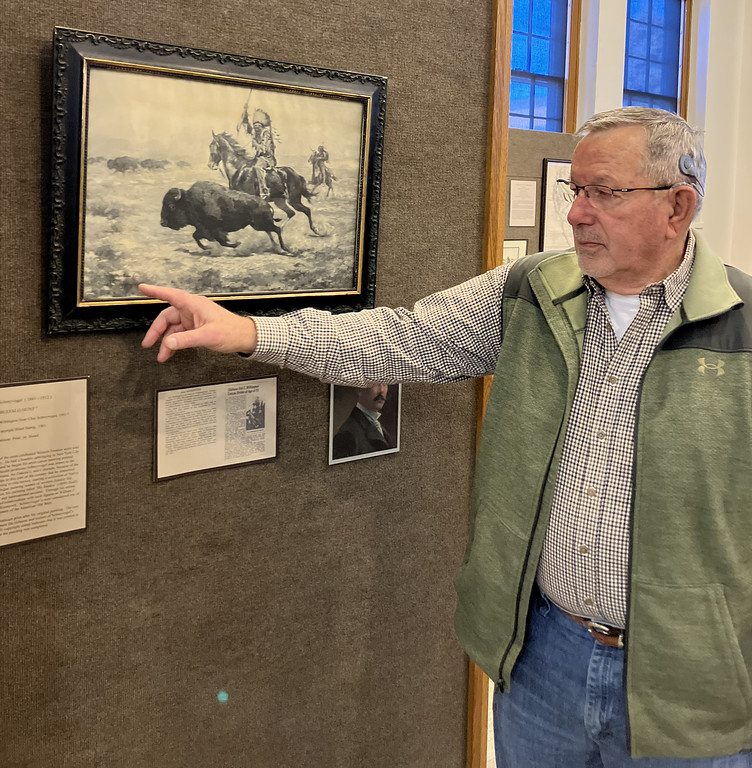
254,182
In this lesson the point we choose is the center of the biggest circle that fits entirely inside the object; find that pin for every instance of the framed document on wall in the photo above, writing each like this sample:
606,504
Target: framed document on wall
214,425
556,233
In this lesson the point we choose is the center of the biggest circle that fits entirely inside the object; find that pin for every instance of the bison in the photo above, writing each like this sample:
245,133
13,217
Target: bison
154,165
122,164
215,210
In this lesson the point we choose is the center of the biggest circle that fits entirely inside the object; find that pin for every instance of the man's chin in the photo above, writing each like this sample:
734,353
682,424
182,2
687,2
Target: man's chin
590,264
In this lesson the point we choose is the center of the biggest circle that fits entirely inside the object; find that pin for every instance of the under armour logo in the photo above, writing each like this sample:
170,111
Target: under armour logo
717,367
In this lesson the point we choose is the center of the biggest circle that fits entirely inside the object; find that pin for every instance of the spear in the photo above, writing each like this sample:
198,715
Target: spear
243,119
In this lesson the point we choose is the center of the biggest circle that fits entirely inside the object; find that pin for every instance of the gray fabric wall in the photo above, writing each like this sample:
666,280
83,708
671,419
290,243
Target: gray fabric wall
318,597
527,151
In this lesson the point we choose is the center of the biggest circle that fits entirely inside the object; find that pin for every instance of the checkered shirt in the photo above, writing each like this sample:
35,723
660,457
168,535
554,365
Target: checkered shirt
455,335
585,559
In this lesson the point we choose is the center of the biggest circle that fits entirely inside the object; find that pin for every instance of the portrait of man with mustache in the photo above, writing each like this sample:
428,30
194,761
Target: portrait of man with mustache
363,432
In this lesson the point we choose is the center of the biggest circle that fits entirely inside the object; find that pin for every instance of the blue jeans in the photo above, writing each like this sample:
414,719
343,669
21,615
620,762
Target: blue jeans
565,707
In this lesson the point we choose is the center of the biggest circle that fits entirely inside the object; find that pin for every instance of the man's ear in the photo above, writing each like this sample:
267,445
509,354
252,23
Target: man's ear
683,201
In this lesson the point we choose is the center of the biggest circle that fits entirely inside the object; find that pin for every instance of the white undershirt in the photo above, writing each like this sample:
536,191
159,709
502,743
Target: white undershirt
621,311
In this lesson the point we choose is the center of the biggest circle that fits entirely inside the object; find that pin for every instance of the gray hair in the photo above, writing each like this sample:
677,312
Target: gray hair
674,148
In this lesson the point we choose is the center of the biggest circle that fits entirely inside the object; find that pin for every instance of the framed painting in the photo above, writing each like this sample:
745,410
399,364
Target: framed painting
253,182
556,232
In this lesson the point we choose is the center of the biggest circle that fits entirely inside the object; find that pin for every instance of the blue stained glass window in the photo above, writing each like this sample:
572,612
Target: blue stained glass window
639,46
521,16
540,49
520,48
637,75
519,101
540,108
639,10
652,62
542,17
539,58
657,44
659,11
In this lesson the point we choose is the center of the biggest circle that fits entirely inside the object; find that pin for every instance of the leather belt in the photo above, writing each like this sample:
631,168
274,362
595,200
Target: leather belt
613,637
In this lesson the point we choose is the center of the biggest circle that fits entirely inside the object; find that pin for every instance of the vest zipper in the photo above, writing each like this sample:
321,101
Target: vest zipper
525,562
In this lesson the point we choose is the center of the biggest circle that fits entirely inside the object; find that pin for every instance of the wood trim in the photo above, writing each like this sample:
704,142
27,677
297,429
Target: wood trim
493,255
498,134
573,67
477,718
686,59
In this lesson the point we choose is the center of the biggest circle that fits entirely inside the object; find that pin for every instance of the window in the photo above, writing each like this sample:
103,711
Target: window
539,62
654,52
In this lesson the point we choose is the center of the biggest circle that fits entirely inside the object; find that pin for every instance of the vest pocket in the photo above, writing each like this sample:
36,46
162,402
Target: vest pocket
490,575
687,680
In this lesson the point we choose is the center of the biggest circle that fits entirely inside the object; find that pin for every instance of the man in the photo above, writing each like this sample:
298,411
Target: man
320,172
607,582
362,432
262,146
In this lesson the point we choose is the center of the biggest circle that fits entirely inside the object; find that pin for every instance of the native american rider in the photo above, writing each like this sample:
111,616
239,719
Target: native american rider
262,146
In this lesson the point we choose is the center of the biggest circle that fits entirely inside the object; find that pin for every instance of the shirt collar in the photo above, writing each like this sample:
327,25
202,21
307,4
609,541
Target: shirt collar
372,415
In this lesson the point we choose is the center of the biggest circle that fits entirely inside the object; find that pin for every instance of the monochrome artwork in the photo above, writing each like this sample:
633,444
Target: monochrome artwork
364,421
218,188
254,186
556,232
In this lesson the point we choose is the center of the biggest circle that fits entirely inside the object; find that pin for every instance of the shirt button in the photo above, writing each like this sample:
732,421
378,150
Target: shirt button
600,434
612,379
591,492
584,550
588,601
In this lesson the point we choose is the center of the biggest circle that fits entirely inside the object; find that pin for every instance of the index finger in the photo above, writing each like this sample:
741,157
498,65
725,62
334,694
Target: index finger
173,296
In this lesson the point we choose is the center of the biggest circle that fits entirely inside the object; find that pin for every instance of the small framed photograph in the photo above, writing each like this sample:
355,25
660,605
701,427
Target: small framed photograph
513,250
215,425
363,422
250,181
556,232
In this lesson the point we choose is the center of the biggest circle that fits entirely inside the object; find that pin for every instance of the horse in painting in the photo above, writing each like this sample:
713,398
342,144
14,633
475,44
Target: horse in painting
286,186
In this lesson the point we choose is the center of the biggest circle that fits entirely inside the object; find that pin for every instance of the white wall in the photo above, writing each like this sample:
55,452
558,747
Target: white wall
719,104
741,171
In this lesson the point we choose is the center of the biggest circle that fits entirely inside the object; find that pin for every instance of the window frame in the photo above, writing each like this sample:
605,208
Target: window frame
568,119
685,47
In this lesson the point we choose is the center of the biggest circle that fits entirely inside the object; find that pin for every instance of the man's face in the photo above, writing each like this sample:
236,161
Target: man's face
629,245
373,398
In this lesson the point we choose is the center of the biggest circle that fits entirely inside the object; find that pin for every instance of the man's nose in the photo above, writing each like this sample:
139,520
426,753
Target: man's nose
581,210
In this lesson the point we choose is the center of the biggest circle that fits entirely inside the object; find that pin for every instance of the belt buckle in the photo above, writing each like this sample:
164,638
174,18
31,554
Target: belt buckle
595,627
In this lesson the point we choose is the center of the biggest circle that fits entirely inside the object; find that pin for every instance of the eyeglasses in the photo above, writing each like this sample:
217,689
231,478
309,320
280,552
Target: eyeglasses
598,195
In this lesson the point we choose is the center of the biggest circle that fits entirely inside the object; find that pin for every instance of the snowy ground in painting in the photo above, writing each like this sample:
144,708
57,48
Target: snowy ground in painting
125,245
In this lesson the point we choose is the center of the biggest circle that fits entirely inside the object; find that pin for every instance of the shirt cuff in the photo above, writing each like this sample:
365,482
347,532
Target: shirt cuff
272,340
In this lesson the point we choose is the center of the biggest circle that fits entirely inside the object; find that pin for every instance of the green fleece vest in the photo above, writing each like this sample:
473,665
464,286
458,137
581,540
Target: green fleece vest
689,635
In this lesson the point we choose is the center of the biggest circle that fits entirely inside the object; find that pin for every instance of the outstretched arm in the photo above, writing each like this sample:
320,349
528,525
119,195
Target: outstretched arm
448,336
195,321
